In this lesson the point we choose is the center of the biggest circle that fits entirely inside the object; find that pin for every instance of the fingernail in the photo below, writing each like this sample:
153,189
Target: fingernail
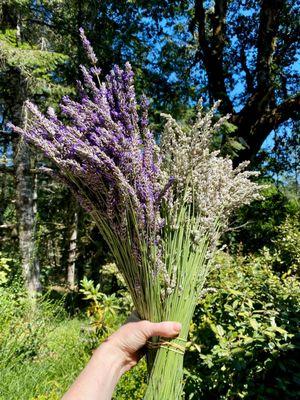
177,327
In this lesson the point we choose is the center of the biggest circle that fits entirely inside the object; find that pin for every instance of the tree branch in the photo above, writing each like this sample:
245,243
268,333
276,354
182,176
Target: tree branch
11,170
6,170
8,226
67,29
39,22
212,51
290,108
268,121
266,43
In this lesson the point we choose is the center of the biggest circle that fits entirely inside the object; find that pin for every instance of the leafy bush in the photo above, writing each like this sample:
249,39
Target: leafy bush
4,269
132,384
259,221
244,341
286,256
9,270
244,338
105,312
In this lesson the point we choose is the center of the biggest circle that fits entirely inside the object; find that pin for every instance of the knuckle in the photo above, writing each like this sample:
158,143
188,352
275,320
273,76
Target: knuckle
145,326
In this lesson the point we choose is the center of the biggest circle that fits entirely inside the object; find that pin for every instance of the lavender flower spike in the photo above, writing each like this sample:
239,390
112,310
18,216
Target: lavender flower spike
104,150
87,47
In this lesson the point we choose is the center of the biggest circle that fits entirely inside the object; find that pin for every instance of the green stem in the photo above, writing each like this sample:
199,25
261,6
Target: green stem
166,378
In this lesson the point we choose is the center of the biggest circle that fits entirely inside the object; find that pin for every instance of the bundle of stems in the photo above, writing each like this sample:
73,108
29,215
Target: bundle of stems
157,300
192,267
160,209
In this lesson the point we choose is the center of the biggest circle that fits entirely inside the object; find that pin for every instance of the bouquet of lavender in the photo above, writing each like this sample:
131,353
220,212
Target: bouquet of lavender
160,208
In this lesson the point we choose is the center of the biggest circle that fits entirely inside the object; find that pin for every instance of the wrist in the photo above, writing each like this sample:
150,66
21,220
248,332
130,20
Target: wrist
100,376
114,357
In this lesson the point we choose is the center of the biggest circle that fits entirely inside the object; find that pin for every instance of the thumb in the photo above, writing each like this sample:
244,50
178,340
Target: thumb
165,329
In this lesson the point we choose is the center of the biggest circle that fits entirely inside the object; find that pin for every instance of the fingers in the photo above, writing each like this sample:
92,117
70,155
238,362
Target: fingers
166,329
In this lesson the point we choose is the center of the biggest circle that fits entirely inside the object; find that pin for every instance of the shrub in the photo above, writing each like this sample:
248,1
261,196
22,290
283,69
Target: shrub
105,312
9,269
259,221
132,384
286,257
4,269
244,337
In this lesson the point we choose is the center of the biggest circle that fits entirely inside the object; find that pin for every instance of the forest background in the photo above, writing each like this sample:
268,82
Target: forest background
244,341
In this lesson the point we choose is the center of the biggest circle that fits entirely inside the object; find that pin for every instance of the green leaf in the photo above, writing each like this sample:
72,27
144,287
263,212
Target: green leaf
220,330
254,324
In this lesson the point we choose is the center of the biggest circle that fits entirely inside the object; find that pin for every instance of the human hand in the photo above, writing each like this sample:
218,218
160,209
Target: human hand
127,341
115,356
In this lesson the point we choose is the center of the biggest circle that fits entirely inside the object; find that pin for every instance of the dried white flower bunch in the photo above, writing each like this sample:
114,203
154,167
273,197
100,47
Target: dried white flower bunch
216,187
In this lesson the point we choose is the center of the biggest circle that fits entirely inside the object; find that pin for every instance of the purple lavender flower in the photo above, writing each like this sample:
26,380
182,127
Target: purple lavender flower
105,152
87,47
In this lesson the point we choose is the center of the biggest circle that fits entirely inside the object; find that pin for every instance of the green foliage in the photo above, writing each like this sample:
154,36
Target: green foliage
228,143
282,159
244,341
260,220
41,68
104,311
102,307
41,348
4,269
9,269
133,384
49,374
22,322
244,338
286,256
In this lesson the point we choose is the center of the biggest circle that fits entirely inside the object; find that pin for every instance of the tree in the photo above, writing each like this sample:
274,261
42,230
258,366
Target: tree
34,38
254,42
22,161
72,241
27,69
243,53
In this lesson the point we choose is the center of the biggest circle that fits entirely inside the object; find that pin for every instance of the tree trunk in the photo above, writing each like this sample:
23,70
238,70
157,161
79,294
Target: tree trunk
72,251
25,180
26,207
26,186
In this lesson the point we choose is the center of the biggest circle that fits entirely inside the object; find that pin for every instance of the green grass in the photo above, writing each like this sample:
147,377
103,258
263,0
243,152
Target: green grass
42,350
50,372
